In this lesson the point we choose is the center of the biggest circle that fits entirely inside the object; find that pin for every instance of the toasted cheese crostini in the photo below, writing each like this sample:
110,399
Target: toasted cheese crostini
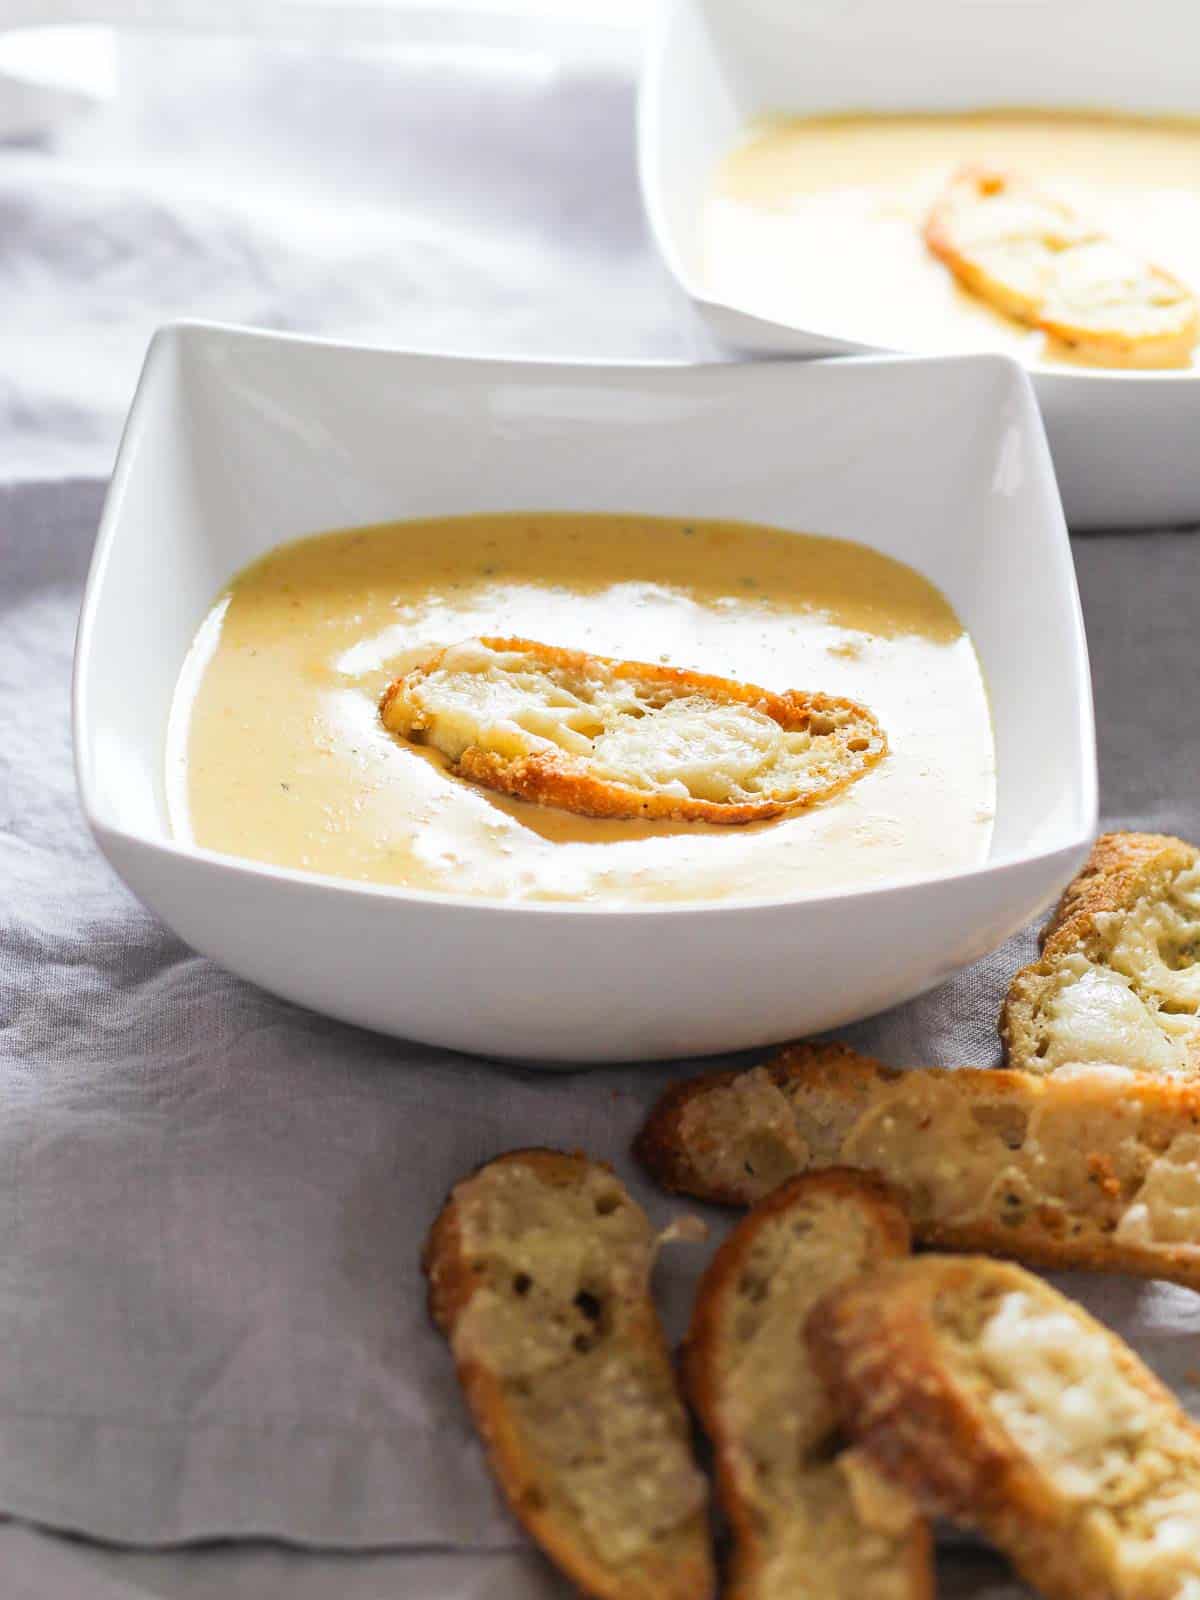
1091,1168
1004,1405
810,1521
1032,257
539,1271
611,738
1118,979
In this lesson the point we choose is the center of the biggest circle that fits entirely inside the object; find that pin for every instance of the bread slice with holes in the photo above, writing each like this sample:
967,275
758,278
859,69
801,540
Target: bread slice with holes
1004,1405
1090,1167
539,1272
811,1520
1118,979
610,738
1035,259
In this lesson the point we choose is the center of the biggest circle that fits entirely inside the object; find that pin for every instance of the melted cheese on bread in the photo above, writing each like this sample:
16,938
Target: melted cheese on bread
1034,258
618,738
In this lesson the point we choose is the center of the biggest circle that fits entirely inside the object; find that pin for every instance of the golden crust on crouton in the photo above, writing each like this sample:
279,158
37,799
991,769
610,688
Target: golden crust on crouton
1032,257
610,738
539,1276
808,1519
1004,1405
1118,979
1094,1168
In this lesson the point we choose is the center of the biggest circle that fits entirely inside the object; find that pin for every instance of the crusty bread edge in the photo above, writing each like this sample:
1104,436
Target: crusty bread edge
1111,879
449,1281
1131,351
543,780
660,1148
1079,343
451,1285
701,1353
1114,876
1100,1253
938,234
875,1344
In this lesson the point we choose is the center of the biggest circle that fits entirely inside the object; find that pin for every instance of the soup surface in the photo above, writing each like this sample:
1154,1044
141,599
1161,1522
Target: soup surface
275,749
817,221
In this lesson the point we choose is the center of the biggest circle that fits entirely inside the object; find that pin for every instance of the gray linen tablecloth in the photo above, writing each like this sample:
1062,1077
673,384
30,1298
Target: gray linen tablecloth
211,1202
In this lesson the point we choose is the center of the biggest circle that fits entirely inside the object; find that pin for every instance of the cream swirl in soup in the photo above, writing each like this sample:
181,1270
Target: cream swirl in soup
276,751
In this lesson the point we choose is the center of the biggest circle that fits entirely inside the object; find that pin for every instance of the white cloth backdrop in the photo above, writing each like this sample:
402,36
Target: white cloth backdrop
448,195
211,1202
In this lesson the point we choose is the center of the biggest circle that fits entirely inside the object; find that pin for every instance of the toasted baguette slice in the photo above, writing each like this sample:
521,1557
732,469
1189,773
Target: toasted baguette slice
1033,258
1118,980
809,1523
612,738
1090,1168
1001,1403
539,1269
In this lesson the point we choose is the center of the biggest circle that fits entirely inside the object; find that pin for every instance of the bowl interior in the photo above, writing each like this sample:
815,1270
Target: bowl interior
715,66
240,441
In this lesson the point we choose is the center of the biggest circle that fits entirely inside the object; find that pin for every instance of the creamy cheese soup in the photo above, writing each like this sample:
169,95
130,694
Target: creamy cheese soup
817,221
276,750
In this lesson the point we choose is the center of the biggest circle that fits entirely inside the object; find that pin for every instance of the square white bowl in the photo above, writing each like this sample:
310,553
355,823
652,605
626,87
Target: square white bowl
1124,443
239,441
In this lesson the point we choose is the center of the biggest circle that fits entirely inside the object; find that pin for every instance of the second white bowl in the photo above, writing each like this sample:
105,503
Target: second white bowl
1124,443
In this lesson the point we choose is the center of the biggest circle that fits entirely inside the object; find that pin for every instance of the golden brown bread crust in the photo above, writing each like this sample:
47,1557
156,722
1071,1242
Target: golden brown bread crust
447,1269
1116,347
681,1161
1121,869
729,1138
880,1347
941,238
682,1571
676,1163
1052,232
550,779
706,1362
